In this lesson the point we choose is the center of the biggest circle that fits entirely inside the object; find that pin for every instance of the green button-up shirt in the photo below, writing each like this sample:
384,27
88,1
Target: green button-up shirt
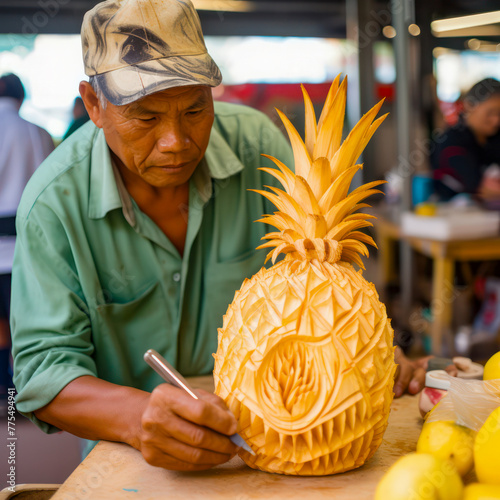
95,281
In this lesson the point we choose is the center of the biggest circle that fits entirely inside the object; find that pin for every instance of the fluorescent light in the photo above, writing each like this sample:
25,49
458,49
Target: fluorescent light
224,5
456,23
492,30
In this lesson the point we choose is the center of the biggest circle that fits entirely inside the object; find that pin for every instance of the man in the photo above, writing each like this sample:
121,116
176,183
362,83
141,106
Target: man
24,146
135,235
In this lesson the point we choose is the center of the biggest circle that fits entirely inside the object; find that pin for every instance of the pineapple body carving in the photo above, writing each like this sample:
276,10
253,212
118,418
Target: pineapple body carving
305,359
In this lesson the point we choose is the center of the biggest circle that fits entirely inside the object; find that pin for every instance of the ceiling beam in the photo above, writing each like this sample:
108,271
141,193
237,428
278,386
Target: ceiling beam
289,23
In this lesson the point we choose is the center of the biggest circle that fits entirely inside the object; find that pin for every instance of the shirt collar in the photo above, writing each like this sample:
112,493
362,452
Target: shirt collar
221,160
125,198
104,195
107,191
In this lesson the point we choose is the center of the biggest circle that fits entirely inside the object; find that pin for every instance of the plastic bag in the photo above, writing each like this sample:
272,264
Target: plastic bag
468,402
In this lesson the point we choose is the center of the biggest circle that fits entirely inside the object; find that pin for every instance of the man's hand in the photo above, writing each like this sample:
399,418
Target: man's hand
182,433
410,375
169,427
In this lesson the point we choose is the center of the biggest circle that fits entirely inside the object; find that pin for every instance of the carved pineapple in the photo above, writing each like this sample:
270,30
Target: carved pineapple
305,358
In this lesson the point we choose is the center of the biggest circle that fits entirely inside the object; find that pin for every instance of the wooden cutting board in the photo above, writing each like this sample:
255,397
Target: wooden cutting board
115,470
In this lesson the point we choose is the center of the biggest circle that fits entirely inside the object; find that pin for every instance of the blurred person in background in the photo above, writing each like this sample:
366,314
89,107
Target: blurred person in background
467,155
80,117
23,146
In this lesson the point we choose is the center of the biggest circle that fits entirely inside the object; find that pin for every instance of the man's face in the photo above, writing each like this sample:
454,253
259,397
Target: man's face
162,137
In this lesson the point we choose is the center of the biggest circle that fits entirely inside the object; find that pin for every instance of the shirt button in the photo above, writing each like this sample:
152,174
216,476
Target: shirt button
176,277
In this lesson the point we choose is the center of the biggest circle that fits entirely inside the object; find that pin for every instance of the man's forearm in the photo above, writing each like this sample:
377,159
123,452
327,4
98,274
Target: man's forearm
92,408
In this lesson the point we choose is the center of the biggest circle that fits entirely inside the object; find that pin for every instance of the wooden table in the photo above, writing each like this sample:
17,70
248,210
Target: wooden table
444,254
115,470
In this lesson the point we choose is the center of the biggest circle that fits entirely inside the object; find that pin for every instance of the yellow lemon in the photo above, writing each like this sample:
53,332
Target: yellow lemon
448,441
487,450
492,367
476,491
420,476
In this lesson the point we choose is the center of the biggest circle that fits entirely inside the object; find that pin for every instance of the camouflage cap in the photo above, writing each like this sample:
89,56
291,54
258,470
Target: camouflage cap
138,47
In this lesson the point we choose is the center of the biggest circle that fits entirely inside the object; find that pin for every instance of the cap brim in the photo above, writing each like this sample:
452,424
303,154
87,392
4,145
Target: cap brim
125,85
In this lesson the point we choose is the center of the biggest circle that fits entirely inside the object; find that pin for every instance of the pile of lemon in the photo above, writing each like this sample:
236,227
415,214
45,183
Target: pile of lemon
445,452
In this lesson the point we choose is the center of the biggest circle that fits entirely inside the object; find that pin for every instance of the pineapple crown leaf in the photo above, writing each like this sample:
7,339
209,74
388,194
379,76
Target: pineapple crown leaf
300,154
311,127
315,217
330,131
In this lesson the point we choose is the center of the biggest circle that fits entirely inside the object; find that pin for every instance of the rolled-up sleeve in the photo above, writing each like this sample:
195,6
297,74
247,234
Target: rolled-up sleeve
51,331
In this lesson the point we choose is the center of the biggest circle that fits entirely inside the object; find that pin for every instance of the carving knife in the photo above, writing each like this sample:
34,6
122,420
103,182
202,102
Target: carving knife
168,373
